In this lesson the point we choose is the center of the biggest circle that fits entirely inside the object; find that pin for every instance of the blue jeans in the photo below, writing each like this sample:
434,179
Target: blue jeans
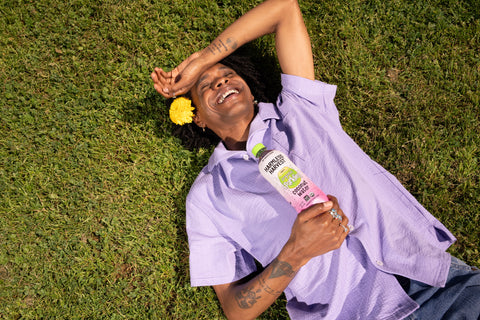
459,299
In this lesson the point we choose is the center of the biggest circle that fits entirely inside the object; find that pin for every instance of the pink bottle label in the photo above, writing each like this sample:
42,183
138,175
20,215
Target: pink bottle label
305,195
294,186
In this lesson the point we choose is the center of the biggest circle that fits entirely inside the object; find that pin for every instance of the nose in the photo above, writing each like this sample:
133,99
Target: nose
221,81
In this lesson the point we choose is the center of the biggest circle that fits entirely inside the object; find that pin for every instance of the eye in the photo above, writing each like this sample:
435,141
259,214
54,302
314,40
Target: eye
203,86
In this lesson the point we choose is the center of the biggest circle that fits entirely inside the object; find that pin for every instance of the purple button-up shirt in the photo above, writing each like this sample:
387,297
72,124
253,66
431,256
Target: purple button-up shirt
234,216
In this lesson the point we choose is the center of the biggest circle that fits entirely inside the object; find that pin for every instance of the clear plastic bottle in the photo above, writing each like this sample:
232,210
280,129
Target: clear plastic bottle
287,178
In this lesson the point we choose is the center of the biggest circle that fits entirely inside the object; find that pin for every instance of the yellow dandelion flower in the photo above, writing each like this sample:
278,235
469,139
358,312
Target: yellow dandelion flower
181,111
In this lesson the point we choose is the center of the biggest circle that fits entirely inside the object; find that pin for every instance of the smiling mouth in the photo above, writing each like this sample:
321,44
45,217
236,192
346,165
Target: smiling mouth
226,94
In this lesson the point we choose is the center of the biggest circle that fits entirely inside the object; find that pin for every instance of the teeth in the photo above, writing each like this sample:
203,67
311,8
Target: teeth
226,94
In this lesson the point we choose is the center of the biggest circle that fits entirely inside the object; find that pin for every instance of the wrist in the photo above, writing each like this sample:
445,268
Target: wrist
205,60
291,256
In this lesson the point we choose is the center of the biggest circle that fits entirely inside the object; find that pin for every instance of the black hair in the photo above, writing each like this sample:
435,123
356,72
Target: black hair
192,136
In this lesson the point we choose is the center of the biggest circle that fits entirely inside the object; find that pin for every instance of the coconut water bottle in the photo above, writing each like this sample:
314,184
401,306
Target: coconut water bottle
287,178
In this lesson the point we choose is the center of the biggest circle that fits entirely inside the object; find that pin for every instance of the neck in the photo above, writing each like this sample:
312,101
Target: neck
236,137
235,145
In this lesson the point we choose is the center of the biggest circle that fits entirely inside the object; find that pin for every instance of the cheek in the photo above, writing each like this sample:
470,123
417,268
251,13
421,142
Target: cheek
249,91
197,101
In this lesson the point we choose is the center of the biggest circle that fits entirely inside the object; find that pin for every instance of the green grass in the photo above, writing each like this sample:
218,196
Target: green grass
93,183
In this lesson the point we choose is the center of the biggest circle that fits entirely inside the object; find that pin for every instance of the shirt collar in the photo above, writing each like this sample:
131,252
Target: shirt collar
258,128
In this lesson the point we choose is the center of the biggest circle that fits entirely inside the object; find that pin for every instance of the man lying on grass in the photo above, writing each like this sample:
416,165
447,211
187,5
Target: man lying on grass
384,258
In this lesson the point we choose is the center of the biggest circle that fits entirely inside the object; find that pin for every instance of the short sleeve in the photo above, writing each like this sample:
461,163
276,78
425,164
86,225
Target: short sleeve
301,91
214,258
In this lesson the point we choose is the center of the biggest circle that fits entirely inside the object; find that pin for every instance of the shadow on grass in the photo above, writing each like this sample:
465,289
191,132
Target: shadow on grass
150,108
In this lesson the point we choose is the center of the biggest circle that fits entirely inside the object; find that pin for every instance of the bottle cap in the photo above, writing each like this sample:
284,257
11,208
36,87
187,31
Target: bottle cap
256,150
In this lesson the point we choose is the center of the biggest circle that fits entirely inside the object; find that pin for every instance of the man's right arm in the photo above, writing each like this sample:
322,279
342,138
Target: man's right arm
281,17
314,233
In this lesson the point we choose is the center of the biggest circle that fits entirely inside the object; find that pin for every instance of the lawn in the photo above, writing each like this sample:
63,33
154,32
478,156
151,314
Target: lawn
93,182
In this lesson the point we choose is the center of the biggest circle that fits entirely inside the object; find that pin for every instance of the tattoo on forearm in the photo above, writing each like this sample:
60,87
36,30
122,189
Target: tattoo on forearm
232,43
250,295
223,45
247,297
219,46
267,289
281,268
210,49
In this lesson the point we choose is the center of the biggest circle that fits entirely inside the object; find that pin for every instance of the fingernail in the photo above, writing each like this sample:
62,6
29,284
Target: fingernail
165,90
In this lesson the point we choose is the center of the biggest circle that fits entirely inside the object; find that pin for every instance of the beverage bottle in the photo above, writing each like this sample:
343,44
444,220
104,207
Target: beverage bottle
287,178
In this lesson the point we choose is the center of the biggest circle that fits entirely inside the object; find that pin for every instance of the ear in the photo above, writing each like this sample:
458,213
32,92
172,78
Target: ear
199,121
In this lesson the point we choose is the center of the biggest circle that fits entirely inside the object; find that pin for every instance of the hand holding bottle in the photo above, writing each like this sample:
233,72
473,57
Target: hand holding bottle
315,232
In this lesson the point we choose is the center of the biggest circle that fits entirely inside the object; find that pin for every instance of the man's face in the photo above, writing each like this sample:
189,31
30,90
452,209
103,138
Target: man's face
222,98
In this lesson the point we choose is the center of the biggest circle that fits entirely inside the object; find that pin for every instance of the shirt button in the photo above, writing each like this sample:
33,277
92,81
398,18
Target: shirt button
379,263
245,157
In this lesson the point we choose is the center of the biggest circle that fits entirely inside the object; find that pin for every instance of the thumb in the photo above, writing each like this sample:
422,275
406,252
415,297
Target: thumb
315,210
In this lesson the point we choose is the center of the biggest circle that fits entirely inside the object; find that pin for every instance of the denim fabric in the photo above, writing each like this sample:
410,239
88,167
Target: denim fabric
459,299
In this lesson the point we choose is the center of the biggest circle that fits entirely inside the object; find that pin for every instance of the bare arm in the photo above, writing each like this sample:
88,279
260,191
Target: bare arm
248,300
314,233
282,17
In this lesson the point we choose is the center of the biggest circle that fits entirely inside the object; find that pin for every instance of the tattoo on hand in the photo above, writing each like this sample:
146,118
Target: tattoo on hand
281,268
219,46
247,297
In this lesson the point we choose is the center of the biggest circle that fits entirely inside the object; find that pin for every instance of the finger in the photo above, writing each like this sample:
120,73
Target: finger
336,215
161,74
341,217
343,220
154,77
162,82
337,208
315,210
344,227
164,76
170,77
333,199
161,90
